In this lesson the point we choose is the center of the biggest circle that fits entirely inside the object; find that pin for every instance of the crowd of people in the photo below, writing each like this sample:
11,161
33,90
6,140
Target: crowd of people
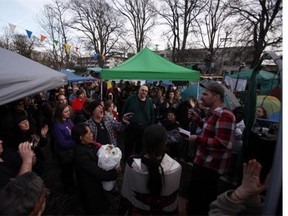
77,121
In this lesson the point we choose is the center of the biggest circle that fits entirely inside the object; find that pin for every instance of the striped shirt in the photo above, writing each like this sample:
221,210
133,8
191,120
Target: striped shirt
111,125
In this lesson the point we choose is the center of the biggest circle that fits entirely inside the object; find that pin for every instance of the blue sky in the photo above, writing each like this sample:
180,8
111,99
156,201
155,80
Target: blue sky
24,13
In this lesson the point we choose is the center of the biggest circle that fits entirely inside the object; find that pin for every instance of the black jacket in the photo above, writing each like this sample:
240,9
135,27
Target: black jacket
89,177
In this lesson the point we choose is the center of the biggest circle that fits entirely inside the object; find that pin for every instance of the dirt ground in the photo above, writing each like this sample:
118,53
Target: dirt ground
59,202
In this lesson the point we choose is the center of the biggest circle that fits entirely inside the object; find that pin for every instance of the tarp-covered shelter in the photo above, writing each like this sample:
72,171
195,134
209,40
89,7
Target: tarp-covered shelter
21,77
75,78
267,79
147,65
95,69
196,90
269,103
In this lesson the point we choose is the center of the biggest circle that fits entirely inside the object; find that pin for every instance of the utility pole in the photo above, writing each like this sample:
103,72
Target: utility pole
157,45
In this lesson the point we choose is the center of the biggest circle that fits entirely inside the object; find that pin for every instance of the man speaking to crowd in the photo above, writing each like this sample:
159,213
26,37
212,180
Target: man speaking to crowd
214,146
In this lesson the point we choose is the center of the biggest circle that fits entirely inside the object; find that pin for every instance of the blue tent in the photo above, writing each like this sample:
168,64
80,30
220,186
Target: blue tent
75,78
166,83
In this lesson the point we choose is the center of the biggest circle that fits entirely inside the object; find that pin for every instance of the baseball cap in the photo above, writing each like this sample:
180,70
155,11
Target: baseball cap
214,87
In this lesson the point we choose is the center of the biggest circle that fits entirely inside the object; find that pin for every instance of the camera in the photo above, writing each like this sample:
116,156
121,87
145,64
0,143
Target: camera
32,144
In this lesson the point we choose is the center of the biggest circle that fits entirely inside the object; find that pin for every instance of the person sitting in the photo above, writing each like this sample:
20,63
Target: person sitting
174,138
151,179
261,112
24,195
245,199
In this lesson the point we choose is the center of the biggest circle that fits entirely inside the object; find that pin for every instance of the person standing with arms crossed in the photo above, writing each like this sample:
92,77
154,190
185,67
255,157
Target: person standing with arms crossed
213,153
142,115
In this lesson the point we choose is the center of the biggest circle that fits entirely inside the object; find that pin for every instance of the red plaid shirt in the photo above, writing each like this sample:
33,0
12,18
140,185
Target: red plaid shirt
215,142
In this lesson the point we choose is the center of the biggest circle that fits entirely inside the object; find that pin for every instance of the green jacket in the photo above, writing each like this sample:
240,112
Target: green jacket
144,117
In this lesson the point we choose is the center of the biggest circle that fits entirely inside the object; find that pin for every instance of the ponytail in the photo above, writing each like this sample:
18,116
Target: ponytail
154,139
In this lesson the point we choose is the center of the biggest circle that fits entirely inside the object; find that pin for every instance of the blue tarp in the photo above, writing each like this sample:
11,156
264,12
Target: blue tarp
166,83
75,78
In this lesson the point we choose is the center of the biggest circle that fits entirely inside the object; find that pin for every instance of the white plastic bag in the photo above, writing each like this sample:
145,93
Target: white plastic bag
109,157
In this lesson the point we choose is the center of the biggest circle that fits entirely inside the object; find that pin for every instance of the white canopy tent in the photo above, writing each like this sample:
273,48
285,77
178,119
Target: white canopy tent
21,77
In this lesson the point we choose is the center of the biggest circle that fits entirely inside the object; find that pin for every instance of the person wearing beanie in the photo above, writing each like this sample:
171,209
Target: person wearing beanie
214,146
23,132
104,127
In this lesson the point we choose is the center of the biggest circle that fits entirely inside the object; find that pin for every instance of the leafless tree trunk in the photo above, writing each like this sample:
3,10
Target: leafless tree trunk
214,30
100,24
23,45
54,23
6,38
141,16
179,16
260,24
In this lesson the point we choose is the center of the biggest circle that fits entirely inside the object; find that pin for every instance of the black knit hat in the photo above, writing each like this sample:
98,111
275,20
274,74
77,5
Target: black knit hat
19,117
92,105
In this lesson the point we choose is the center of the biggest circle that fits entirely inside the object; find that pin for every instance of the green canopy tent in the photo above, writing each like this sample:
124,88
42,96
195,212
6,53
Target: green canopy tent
147,65
95,69
267,79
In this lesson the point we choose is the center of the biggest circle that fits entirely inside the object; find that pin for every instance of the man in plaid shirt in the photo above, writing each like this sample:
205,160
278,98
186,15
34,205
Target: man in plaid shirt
214,146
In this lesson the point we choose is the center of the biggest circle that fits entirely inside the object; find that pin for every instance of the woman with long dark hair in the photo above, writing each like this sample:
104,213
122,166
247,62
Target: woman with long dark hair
151,180
64,144
89,174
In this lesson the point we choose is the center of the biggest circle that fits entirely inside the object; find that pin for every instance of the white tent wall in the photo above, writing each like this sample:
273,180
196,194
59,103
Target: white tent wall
21,77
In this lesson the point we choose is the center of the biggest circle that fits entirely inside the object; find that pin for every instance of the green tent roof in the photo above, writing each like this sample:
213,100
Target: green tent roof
262,75
267,79
147,65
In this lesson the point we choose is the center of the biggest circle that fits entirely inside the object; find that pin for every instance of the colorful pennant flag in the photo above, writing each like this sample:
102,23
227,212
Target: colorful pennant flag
29,33
67,47
95,55
12,27
42,38
56,42
76,49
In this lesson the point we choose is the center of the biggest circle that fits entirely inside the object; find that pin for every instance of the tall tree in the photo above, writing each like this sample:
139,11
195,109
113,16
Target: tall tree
260,24
23,45
6,38
141,16
214,29
99,23
54,22
179,16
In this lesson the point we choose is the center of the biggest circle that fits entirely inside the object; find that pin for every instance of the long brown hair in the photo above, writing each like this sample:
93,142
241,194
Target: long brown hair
58,114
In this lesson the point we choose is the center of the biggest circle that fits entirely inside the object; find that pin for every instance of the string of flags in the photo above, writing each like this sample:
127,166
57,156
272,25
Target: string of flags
43,37
67,46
